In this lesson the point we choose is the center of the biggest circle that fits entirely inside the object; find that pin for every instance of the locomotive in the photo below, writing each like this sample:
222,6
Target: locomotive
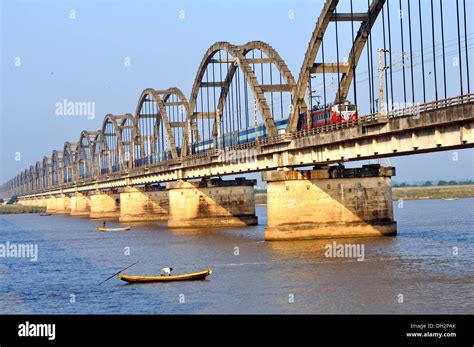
337,113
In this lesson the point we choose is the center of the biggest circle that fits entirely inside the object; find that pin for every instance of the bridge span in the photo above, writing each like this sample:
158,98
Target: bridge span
247,113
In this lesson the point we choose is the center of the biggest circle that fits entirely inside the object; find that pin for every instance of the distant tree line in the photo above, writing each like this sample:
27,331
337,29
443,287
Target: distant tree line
11,201
431,184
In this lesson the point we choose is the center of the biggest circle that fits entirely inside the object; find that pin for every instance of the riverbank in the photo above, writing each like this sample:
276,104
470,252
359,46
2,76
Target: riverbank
19,209
433,192
414,193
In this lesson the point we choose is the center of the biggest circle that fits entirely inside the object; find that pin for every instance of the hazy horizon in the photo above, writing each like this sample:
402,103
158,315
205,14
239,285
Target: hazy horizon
84,59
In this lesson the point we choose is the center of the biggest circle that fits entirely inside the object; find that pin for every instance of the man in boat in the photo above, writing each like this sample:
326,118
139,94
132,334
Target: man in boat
166,271
103,225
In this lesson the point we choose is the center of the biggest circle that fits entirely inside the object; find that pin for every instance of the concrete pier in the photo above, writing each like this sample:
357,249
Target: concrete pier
329,202
80,205
143,204
51,204
40,202
63,204
104,205
212,203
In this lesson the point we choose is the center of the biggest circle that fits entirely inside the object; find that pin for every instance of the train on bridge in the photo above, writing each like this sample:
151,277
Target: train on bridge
319,116
332,114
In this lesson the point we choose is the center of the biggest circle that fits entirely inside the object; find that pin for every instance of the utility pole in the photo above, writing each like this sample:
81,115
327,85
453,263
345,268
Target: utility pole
255,110
310,94
218,121
380,51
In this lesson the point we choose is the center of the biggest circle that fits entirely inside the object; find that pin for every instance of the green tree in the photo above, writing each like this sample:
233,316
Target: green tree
13,200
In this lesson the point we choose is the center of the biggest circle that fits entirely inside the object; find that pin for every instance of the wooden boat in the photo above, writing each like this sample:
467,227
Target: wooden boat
114,229
45,214
201,275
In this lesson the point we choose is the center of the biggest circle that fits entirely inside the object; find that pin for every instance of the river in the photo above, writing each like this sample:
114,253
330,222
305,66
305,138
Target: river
427,268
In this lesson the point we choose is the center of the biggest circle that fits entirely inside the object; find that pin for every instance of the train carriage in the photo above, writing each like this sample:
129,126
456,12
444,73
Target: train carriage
337,113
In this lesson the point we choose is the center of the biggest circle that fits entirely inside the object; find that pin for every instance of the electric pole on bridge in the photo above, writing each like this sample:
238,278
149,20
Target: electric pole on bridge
218,121
381,69
255,113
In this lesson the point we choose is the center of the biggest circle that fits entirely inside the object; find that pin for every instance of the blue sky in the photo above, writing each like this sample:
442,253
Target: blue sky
82,59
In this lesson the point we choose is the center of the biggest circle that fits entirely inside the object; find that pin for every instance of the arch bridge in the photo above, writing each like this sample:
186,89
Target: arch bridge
248,113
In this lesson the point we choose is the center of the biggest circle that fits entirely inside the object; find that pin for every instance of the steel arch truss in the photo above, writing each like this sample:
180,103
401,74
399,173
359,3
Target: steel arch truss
38,176
118,138
31,178
161,121
235,59
87,155
70,162
345,70
57,168
47,181
23,181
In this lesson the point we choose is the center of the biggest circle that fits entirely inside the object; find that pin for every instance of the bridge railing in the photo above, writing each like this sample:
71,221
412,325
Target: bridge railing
361,121
417,109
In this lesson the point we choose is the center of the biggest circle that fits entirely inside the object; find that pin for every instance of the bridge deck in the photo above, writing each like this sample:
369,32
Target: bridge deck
436,126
